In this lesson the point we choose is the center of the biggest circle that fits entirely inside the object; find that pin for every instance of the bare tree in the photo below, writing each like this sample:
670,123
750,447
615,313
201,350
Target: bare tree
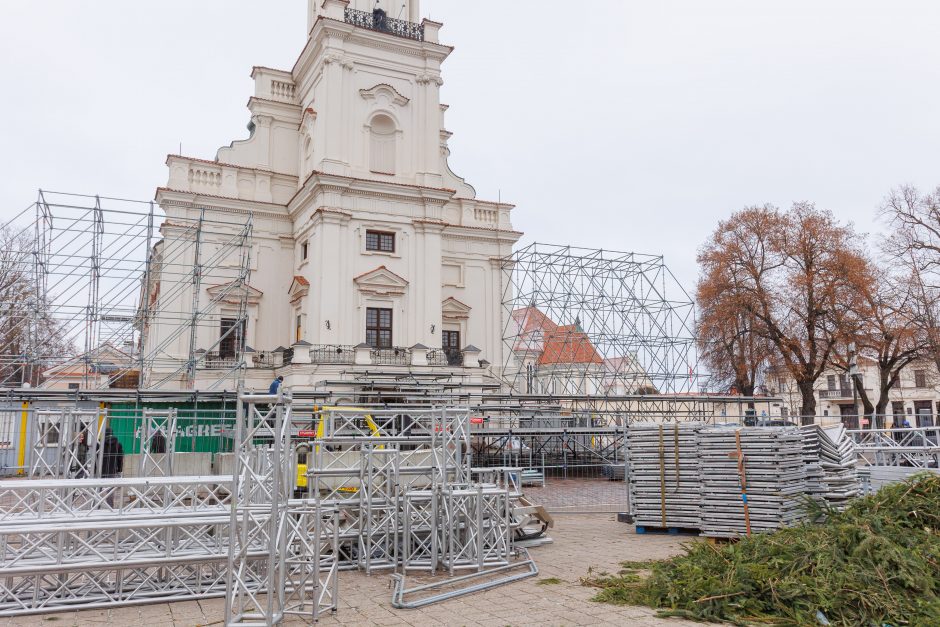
790,273
885,329
29,334
914,247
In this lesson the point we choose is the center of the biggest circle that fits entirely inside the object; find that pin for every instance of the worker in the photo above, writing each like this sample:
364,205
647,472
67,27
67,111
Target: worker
276,385
158,442
112,461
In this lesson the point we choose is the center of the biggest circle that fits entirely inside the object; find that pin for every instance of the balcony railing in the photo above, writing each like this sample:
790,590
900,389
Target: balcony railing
840,393
218,361
391,356
379,21
333,354
267,359
437,357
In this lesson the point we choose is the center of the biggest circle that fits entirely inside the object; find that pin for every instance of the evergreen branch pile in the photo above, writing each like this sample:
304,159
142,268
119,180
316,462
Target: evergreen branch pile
876,563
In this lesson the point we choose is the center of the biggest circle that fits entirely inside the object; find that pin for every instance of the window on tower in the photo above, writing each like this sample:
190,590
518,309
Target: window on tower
382,145
380,241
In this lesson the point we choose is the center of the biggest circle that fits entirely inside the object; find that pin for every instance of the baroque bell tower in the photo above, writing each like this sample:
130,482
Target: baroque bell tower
364,239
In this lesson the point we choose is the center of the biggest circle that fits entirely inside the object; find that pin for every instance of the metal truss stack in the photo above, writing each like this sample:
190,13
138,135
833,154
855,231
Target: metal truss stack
296,539
98,543
401,482
664,475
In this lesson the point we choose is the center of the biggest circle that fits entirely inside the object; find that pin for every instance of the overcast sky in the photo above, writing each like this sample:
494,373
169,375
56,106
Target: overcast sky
622,124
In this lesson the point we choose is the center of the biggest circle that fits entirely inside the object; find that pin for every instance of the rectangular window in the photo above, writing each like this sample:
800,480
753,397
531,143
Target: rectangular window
298,328
379,327
303,251
7,429
831,382
920,378
923,411
380,241
232,337
897,409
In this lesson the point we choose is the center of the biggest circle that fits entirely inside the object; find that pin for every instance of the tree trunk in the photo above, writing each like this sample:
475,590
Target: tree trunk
808,409
869,409
881,408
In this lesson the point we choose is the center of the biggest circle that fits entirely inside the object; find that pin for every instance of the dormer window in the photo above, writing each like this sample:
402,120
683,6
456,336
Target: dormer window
382,147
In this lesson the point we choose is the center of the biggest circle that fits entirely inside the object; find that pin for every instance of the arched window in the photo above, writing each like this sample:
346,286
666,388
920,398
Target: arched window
382,134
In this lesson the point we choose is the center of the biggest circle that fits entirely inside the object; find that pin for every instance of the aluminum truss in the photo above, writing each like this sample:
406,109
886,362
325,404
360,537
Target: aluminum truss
917,447
595,322
110,292
157,426
261,490
97,543
312,567
65,443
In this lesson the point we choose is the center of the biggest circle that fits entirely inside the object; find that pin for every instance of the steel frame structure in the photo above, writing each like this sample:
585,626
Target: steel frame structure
107,285
595,322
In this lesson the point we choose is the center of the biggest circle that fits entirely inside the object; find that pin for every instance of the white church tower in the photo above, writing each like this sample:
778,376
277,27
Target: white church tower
366,250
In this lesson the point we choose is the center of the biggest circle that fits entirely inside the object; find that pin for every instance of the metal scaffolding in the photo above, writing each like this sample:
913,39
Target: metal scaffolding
104,292
595,322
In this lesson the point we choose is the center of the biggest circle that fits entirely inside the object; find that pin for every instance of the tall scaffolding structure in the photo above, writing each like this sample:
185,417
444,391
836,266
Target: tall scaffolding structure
103,292
595,323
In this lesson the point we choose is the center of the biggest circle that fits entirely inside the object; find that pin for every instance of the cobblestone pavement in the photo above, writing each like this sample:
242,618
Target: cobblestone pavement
581,541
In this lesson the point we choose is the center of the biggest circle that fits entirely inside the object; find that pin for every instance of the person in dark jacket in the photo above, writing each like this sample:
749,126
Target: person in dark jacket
158,442
275,385
112,461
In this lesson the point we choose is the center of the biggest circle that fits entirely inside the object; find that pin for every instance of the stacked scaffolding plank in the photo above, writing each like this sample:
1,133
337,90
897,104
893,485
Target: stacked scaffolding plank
728,482
664,475
752,480
835,480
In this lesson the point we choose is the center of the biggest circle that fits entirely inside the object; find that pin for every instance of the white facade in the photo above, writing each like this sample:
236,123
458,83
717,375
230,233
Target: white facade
915,398
352,206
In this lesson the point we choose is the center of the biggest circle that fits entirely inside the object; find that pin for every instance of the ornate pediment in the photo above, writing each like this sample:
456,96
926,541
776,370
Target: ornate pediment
233,292
453,309
299,288
384,95
381,282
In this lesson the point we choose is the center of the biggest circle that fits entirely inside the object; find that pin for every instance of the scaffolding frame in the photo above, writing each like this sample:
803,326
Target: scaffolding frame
114,292
592,322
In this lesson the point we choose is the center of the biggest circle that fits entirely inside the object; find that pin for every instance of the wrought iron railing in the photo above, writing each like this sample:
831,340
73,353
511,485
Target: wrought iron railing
391,356
379,21
333,354
436,357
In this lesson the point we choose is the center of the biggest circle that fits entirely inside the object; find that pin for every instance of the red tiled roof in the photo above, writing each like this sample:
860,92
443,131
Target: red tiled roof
301,280
568,345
